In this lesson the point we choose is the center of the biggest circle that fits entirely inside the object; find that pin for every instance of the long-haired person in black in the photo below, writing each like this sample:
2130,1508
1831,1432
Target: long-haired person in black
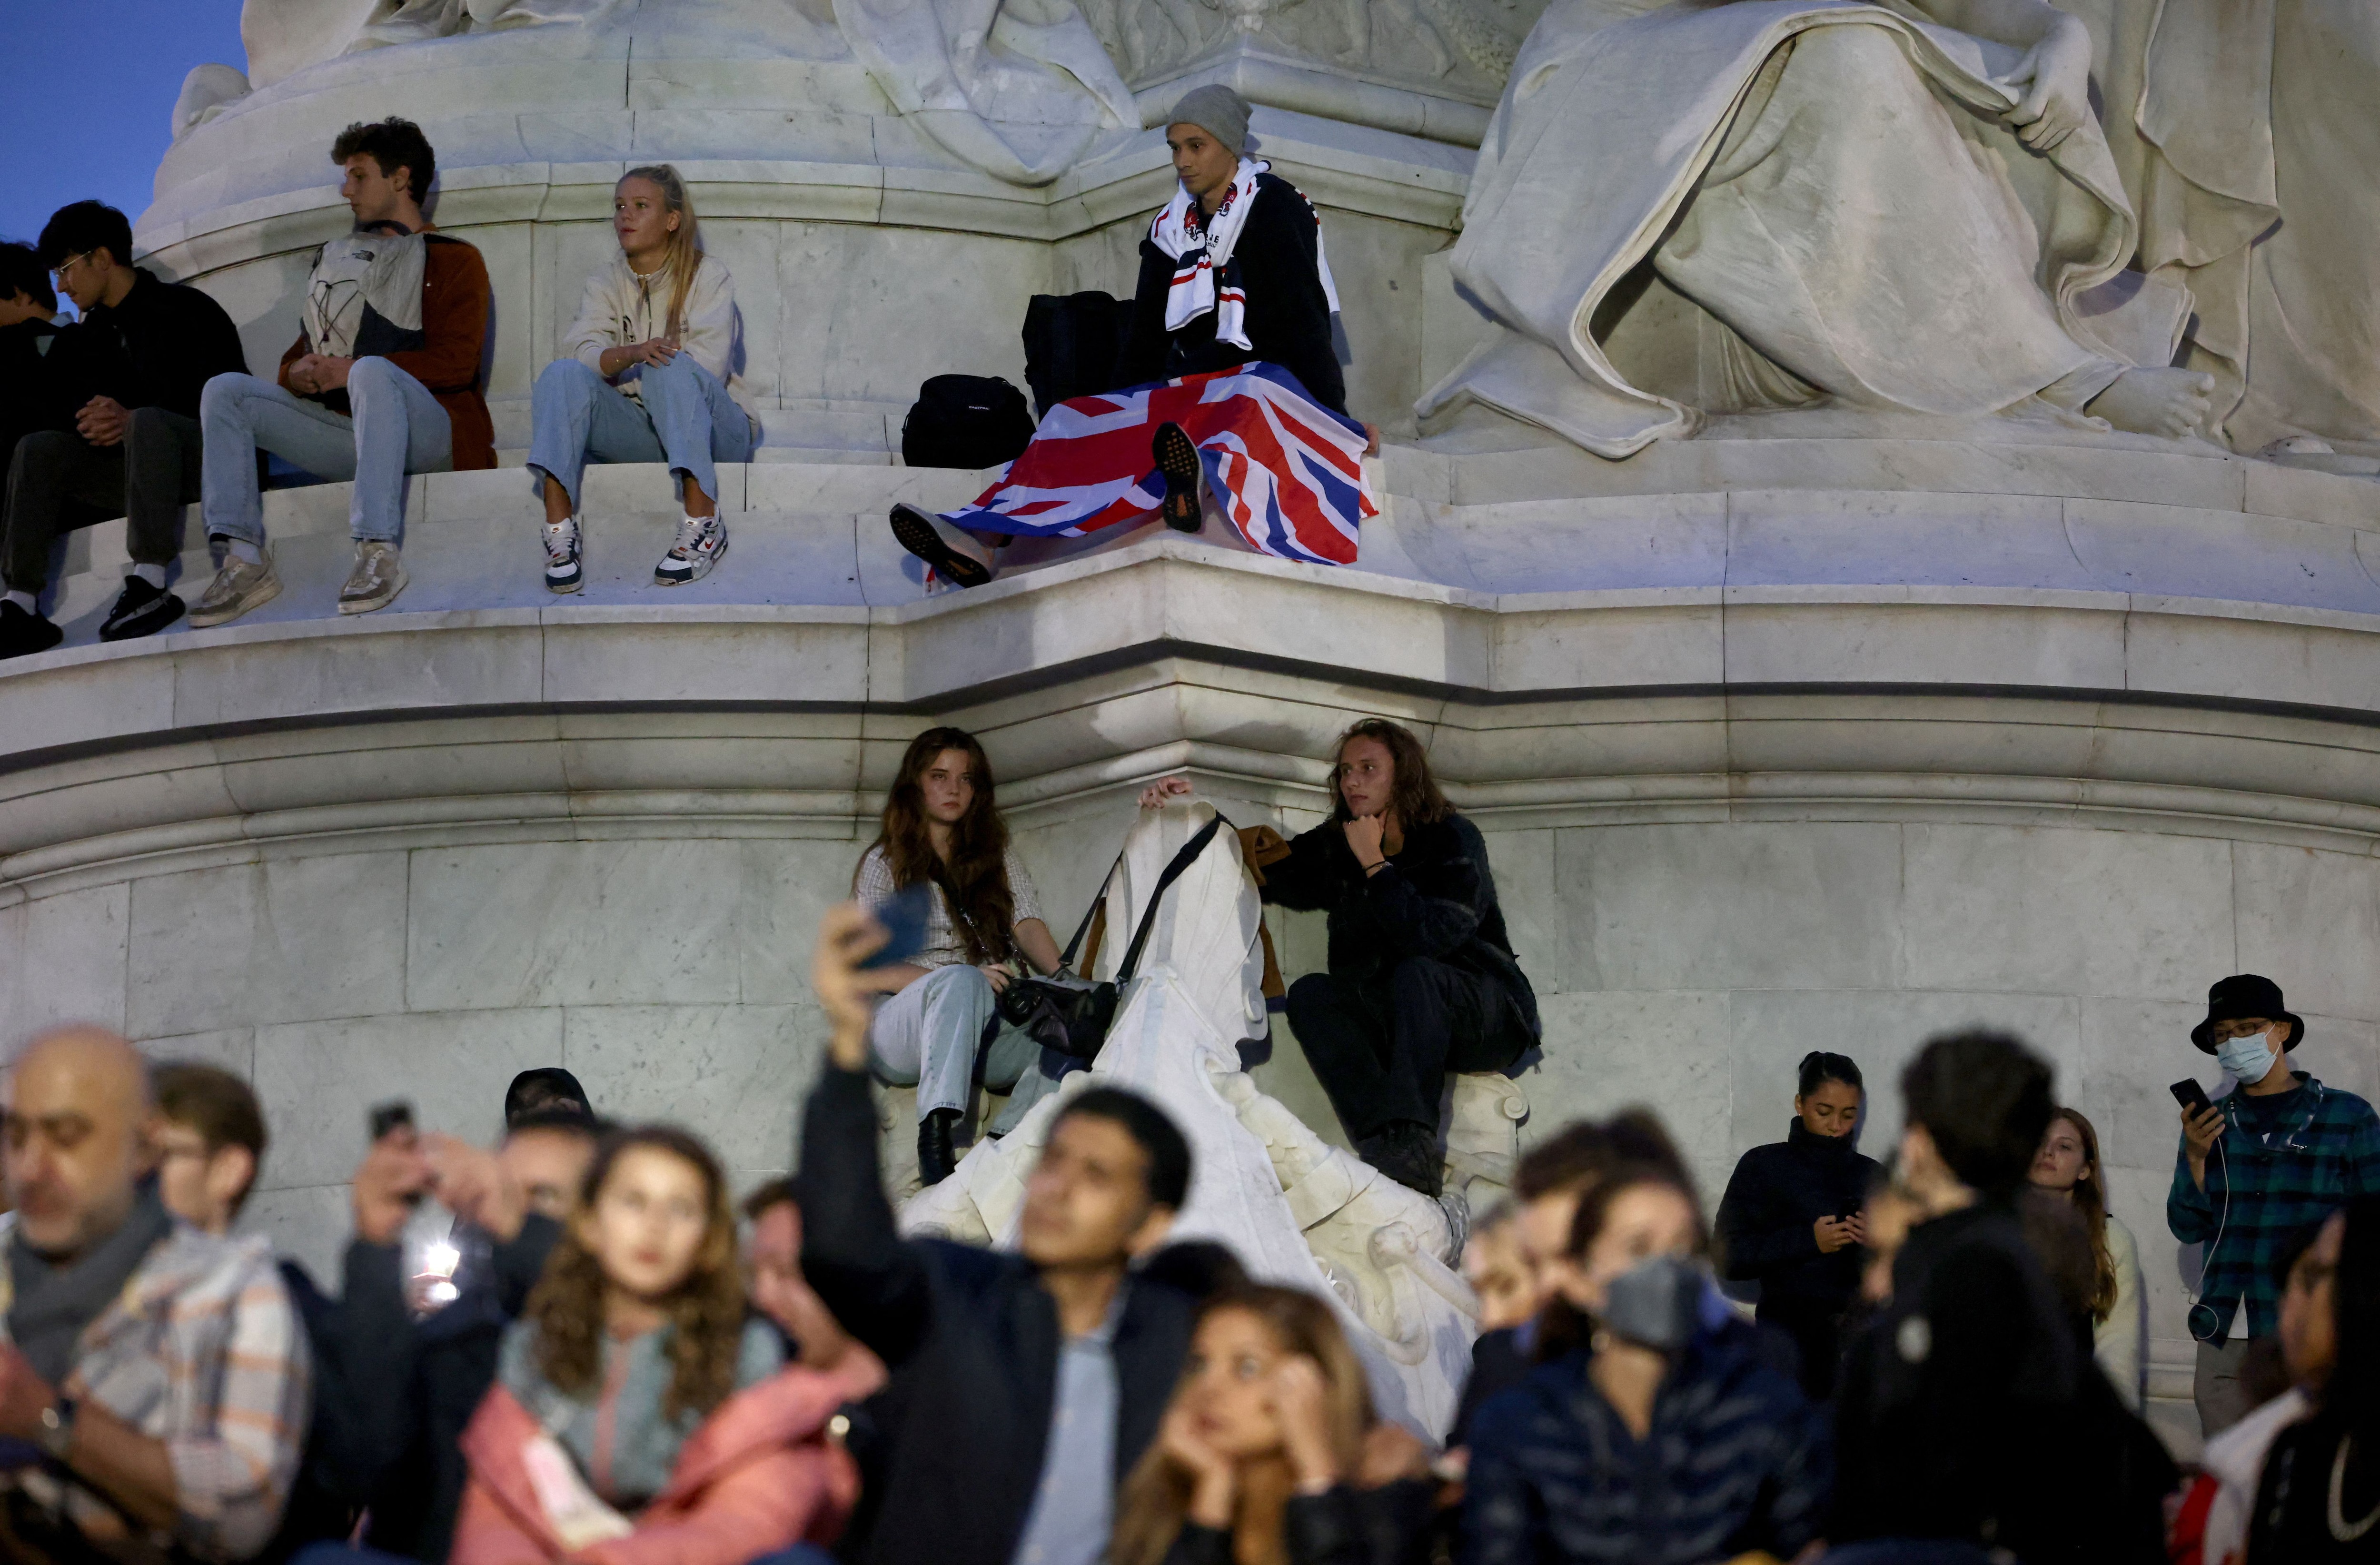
943,829
1271,1452
1790,1218
2068,1164
1653,1433
2319,1501
1423,982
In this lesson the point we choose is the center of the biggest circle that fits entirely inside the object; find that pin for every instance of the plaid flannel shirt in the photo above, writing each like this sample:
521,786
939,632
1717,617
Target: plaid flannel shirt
2283,1168
202,1351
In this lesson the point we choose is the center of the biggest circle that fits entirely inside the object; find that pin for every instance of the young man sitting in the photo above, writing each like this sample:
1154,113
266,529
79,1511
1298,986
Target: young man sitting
128,378
29,324
382,382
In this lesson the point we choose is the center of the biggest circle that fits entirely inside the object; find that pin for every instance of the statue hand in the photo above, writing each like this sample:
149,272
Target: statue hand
2056,76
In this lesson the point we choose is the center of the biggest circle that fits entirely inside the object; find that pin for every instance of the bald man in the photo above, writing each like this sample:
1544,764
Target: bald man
159,1364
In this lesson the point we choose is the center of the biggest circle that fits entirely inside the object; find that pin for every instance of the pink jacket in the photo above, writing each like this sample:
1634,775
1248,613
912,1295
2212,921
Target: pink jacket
758,1476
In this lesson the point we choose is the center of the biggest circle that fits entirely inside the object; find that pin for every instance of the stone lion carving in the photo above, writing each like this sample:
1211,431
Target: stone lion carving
1905,207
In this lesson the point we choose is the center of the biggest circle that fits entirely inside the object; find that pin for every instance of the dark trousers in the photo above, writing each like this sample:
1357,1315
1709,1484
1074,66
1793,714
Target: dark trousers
60,481
1383,1051
1817,1333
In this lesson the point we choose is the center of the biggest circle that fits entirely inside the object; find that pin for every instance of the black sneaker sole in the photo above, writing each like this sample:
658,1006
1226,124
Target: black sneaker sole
152,619
1177,459
913,530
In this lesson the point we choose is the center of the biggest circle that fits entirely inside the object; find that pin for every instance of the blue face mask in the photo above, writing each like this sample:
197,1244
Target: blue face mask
2250,1059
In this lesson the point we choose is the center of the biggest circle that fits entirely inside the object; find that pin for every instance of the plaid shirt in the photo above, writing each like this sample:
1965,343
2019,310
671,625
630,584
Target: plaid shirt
203,1352
2285,1161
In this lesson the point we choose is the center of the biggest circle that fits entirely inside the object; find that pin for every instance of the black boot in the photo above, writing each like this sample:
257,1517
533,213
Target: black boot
1407,1152
936,1155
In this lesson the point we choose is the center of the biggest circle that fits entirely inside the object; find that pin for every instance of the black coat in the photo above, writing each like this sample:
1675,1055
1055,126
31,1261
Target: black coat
1288,316
972,1339
393,1394
1435,899
158,349
1768,1221
1970,1412
30,397
1389,1525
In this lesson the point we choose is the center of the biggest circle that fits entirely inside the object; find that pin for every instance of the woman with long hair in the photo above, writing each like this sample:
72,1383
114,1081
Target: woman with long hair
1270,1453
1790,1218
647,374
1422,981
2318,1501
942,833
1654,1435
640,1416
2068,1166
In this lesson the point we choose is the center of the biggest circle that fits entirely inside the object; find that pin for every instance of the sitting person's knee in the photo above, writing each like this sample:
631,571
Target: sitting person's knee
566,377
222,392
148,422
372,377
1416,976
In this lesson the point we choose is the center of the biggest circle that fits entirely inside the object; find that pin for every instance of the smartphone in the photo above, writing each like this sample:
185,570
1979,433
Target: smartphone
395,1114
904,917
2191,1096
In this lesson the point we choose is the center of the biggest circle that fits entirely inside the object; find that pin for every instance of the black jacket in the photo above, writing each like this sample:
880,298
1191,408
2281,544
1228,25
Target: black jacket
1389,1525
30,397
1435,899
1970,1412
158,349
1768,1218
1736,1459
393,1394
972,1339
1288,317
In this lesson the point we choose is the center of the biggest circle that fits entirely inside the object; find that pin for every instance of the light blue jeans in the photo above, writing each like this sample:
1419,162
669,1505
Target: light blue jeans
686,418
397,429
927,1036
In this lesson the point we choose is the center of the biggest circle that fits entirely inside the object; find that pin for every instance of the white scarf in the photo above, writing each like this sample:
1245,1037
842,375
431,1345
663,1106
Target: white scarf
1201,248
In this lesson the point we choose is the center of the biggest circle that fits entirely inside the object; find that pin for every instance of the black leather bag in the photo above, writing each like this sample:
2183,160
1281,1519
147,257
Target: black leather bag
967,421
1071,1015
1072,342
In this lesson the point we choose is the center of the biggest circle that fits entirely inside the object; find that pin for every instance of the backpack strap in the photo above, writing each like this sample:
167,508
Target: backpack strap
1098,902
1182,861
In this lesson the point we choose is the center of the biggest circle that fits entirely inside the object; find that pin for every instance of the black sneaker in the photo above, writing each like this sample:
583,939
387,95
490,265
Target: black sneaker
1177,461
140,610
1406,1152
23,634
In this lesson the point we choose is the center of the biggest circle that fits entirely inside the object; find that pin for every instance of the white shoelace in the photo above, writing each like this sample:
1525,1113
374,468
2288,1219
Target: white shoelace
560,539
689,535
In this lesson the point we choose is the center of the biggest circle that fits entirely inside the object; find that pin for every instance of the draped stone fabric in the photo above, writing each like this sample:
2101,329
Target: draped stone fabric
2246,131
1830,180
1019,88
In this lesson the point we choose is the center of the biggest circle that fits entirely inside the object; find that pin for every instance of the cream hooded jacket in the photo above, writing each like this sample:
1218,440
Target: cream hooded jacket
620,308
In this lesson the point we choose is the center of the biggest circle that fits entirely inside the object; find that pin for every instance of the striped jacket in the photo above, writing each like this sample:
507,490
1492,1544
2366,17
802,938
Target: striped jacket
2284,1162
1735,1461
203,1352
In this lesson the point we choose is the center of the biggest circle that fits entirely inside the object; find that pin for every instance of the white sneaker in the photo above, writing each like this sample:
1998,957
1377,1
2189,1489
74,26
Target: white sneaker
701,541
563,545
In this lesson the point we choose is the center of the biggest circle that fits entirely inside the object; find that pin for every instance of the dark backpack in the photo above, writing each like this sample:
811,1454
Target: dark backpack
1070,346
966,421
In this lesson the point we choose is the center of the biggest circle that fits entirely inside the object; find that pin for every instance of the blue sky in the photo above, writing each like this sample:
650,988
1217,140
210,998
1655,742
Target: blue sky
91,84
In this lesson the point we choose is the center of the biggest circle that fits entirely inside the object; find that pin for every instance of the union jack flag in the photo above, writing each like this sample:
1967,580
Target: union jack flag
1288,472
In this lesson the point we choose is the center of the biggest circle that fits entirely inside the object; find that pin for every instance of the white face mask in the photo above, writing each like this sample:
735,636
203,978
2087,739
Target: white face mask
2249,1059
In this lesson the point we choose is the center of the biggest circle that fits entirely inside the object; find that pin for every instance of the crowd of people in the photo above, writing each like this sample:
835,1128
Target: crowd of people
579,1344
144,403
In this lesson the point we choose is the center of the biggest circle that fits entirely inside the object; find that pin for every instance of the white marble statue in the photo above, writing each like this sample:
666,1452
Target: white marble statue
283,37
1295,1210
1017,87
2247,131
1900,208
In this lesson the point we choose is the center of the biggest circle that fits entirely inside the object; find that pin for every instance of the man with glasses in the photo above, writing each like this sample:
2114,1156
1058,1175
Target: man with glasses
159,1370
132,372
2266,1162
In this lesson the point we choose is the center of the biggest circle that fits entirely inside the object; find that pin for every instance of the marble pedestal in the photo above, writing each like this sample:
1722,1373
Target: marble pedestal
1779,743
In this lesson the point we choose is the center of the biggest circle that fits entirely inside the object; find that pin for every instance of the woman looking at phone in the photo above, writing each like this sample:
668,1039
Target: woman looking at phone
942,840
1790,1218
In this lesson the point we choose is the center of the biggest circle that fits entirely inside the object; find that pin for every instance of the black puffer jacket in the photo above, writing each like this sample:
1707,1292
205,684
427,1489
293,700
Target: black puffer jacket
1768,1220
1288,319
1435,899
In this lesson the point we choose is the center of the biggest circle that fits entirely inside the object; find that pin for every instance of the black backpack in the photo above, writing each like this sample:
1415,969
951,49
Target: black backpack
966,421
1070,346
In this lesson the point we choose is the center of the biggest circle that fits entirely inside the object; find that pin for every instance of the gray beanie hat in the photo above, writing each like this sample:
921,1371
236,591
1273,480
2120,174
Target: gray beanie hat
1217,109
